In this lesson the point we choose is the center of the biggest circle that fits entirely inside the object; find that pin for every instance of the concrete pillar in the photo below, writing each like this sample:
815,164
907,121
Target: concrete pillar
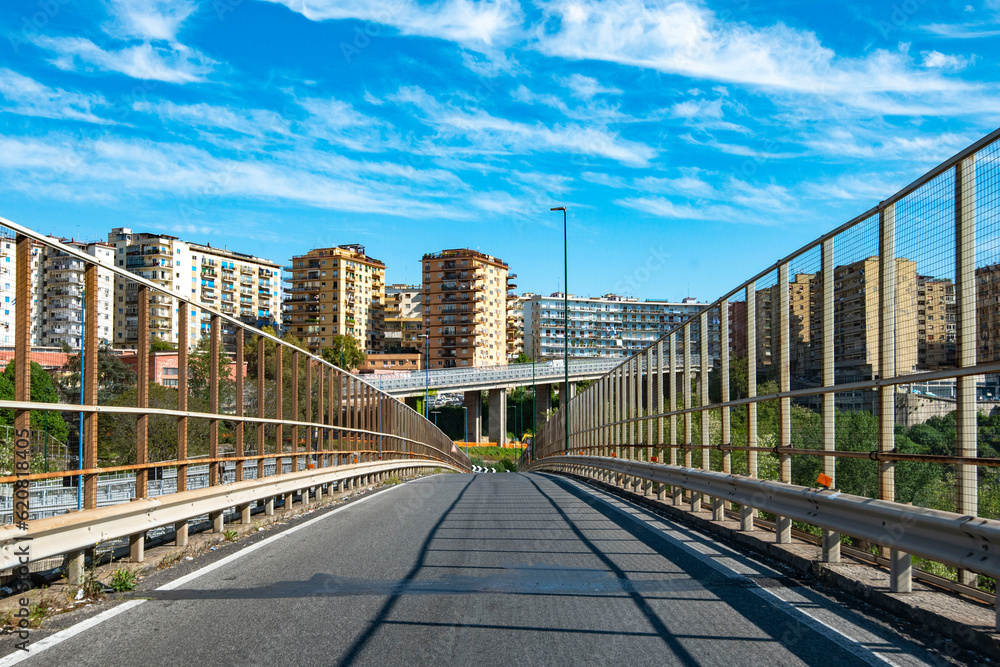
543,403
181,533
269,506
289,499
498,416
474,408
319,493
218,521
245,513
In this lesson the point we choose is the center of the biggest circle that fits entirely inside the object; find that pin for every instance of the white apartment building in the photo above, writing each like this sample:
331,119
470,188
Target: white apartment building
609,326
237,284
62,294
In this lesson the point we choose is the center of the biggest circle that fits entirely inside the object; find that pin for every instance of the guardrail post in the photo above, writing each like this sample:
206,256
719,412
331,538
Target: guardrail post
620,416
269,505
213,400
783,525
965,337
75,564
88,376
748,514
726,435
831,540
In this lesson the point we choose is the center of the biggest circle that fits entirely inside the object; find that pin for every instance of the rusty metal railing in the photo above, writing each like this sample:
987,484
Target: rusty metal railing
291,406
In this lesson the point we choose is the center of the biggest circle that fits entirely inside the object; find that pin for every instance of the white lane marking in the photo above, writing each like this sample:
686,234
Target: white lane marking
833,634
63,635
82,626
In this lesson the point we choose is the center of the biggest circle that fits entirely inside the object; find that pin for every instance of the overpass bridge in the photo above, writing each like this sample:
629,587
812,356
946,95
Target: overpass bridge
547,377
683,519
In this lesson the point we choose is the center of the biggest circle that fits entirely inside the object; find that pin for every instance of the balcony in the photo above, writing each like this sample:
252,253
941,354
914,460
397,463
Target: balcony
150,250
228,287
246,270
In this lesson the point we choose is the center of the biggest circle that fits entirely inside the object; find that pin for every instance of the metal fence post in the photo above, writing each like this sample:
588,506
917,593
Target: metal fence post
748,514
899,563
783,525
661,488
831,540
91,360
238,372
965,337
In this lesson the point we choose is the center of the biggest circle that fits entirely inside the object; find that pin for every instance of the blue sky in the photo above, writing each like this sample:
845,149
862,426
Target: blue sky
694,143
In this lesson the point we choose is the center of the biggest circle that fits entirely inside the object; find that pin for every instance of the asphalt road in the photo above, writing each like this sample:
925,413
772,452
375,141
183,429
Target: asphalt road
489,569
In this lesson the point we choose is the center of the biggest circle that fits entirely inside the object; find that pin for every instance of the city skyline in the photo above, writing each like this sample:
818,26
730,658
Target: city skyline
421,124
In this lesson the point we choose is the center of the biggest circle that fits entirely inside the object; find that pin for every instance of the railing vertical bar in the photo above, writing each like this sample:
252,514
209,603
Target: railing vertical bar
238,372
831,540
296,407
182,394
215,335
967,502
279,406
142,391
748,514
91,360
261,401
783,530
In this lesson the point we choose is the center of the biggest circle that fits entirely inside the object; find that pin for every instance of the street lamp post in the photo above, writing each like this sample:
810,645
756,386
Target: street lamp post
565,399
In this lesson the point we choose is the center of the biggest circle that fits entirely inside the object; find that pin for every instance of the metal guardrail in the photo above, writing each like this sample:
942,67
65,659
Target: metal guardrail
962,541
825,342
479,375
330,416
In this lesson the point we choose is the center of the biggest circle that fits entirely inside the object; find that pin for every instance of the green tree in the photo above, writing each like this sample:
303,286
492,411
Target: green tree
158,345
353,355
522,358
43,390
113,377
200,372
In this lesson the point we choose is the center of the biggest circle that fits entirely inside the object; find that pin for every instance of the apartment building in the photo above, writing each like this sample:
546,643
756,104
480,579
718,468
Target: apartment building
465,308
936,343
609,326
240,285
61,306
988,313
8,276
515,322
404,322
335,291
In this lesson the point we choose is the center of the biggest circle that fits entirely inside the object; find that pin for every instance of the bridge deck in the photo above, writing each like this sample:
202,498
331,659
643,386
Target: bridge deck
488,570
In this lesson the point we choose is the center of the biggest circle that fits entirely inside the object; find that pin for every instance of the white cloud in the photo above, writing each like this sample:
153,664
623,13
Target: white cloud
27,97
148,19
467,22
665,208
586,87
938,60
491,135
691,109
690,40
106,168
251,122
172,64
